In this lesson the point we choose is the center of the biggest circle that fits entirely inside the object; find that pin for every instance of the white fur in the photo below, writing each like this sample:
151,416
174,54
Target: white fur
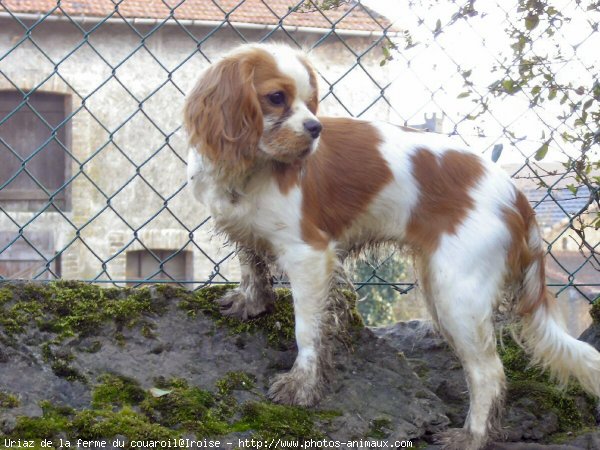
467,270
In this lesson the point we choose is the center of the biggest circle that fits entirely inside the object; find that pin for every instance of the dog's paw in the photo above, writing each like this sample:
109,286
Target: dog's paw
236,304
295,388
459,439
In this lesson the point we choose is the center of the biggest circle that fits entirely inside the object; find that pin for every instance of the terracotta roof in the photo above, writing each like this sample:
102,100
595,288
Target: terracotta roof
266,12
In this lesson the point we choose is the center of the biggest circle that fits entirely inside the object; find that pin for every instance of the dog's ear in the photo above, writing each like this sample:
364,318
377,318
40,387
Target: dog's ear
222,114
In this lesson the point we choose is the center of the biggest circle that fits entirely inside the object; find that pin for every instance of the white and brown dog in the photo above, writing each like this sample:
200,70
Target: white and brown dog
289,186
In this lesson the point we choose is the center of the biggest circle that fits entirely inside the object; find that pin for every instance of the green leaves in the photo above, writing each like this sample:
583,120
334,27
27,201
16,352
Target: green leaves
532,21
542,151
510,86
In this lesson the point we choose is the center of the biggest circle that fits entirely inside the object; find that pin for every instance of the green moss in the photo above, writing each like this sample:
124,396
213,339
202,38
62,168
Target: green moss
120,406
117,390
55,419
235,381
70,308
271,421
60,365
379,428
169,292
549,399
517,364
6,295
98,424
278,324
183,404
595,312
8,400
61,368
574,408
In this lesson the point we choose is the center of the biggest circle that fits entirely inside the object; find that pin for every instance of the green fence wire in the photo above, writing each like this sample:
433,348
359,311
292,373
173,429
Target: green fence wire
92,153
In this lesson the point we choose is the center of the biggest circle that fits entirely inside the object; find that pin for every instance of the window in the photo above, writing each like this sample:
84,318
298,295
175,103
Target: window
143,264
26,258
33,126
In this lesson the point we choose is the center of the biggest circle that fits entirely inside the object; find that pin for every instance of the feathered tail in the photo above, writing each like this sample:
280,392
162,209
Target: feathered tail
543,334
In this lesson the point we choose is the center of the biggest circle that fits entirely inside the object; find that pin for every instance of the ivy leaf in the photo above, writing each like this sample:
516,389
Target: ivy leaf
496,152
532,21
542,151
573,189
510,86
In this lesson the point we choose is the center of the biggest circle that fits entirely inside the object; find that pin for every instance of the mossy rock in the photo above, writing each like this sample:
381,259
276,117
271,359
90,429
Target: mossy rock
533,389
379,428
68,308
278,325
73,326
120,407
8,400
117,390
595,311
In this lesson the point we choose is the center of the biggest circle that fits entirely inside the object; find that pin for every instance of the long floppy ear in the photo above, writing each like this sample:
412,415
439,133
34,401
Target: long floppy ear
222,114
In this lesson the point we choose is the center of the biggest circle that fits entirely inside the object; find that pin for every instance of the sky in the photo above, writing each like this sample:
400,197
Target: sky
429,74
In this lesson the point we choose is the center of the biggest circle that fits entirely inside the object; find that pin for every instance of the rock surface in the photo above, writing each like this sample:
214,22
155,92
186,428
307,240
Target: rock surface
533,407
168,363
373,391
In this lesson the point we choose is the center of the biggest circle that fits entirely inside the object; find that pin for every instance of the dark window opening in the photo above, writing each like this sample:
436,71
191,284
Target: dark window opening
146,265
32,151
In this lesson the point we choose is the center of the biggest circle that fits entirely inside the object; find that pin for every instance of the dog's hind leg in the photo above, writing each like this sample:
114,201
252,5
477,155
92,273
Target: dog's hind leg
463,302
255,294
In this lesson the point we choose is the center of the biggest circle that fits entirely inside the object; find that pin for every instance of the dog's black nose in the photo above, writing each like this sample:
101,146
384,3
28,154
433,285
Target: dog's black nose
314,127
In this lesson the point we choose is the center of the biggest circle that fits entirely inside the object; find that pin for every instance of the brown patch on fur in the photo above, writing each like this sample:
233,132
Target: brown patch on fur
520,221
341,178
222,115
444,183
286,175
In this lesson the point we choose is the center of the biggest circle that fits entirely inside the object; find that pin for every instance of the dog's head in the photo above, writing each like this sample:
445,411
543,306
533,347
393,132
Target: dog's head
258,102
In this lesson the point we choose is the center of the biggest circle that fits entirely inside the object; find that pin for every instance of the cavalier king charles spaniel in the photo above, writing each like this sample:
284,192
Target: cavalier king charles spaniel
302,191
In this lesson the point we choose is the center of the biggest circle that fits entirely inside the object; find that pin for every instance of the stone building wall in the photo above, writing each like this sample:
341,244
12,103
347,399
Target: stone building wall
127,146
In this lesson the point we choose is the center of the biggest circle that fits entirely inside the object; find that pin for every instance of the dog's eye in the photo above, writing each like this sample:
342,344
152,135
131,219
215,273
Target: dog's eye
277,98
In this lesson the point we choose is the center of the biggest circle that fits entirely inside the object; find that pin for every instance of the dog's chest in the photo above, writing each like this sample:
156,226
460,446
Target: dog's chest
259,214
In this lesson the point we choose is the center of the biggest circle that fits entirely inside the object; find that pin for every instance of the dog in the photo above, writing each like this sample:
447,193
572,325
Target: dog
290,187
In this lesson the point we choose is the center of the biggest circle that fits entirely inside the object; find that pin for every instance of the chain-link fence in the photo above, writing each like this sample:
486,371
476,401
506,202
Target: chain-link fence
92,154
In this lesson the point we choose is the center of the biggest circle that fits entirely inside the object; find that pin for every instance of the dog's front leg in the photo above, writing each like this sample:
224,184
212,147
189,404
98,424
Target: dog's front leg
255,294
310,273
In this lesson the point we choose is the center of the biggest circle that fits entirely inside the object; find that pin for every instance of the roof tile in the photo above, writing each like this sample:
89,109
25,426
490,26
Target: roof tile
351,15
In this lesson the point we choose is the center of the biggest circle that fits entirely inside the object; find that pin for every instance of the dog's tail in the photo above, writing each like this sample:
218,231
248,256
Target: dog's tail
543,334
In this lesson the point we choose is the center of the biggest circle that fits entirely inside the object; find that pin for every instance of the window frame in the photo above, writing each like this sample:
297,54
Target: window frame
31,200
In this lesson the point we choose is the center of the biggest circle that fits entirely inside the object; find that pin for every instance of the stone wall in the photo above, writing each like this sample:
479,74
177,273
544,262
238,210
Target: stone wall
128,149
